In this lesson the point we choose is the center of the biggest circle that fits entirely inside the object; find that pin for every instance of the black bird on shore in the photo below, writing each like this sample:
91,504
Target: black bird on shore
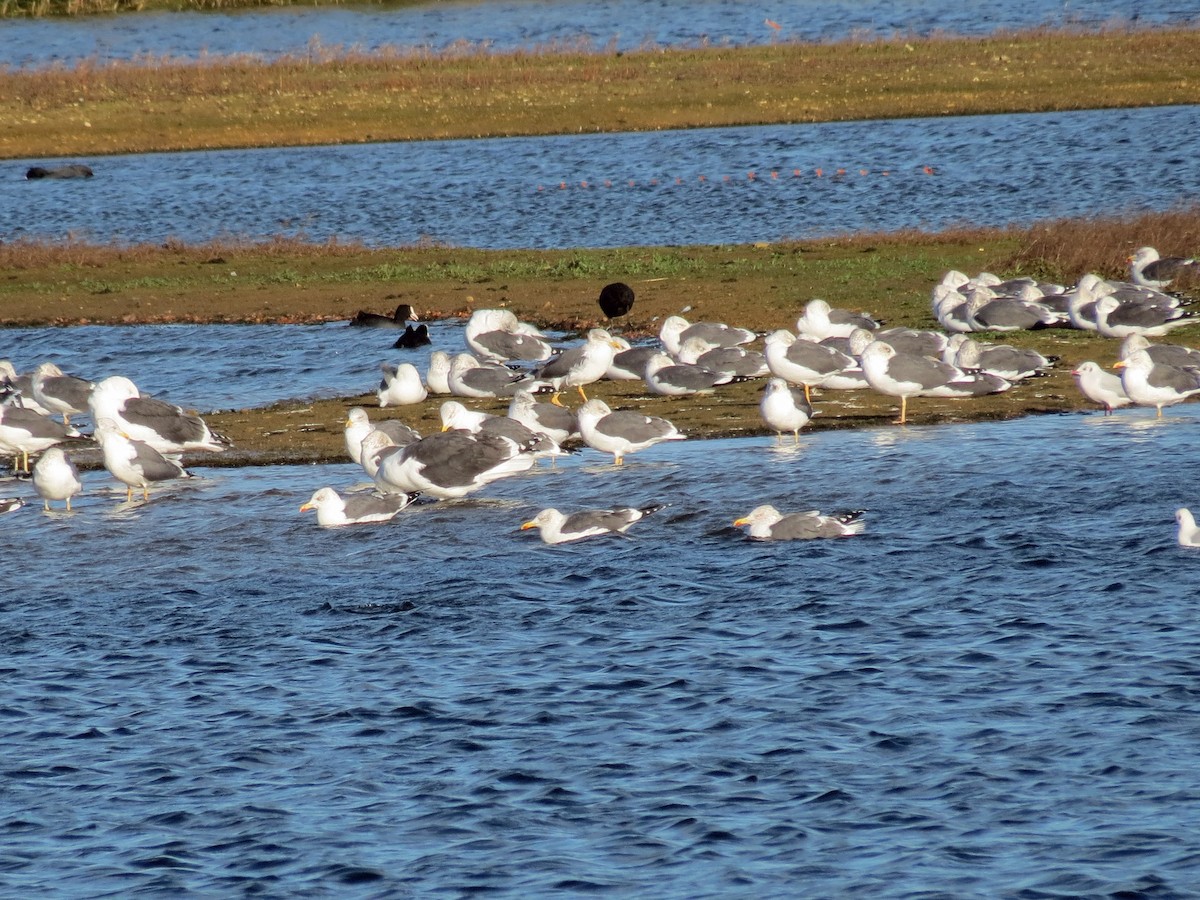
616,299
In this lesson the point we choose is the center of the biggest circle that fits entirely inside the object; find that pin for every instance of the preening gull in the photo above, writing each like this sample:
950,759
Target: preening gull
1148,383
452,464
24,431
1188,534
621,432
616,299
454,415
1147,268
358,425
134,463
676,329
555,422
59,392
334,510
376,447
55,477
1100,387
668,378
804,362
581,365
163,426
784,408
401,385
559,528
497,335
769,524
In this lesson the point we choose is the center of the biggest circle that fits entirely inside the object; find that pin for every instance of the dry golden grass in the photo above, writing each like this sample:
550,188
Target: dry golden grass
330,95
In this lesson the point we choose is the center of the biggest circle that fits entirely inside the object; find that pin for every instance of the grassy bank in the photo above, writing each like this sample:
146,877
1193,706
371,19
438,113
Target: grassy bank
327,97
760,287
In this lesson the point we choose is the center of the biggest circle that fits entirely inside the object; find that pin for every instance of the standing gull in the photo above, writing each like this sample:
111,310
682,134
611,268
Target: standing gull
555,422
903,375
559,528
134,463
579,366
163,426
1100,387
334,510
16,388
1118,320
59,392
1148,383
55,477
623,431
358,425
804,362
437,375
784,408
375,448
24,431
769,524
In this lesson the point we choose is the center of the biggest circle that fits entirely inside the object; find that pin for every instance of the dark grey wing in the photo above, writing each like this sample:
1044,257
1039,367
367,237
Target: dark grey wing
689,378
38,426
454,458
1173,378
633,426
507,345
1168,268
359,506
818,358
167,420
634,360
152,464
402,435
493,379
1009,314
920,370
69,390
559,366
1142,316
590,522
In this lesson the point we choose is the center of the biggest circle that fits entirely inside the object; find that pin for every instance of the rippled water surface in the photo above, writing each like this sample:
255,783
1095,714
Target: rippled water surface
991,693
624,24
707,186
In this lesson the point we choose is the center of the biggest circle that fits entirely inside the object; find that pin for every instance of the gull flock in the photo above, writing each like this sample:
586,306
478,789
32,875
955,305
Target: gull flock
142,439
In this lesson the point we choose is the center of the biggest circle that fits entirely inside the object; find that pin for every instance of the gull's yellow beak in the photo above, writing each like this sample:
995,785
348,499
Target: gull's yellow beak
741,521
1120,364
306,507
528,525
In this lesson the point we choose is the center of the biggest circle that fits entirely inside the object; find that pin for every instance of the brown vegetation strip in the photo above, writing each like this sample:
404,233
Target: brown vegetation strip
341,97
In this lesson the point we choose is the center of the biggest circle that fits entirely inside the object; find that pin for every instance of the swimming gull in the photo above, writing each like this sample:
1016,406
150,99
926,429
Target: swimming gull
559,528
55,477
622,432
616,299
1188,534
581,365
134,463
165,427
334,510
804,362
452,464
59,392
24,431
401,385
10,504
1100,386
1147,268
1148,383
820,321
769,524
784,408
358,425
676,329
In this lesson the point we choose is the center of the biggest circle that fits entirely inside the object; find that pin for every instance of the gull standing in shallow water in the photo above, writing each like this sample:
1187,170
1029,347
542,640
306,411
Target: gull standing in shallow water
1100,386
59,392
1188,534
24,431
1148,383
769,524
163,426
623,431
559,528
334,510
784,408
134,463
55,477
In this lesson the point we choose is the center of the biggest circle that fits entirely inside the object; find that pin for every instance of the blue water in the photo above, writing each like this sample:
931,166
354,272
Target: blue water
528,24
993,692
660,188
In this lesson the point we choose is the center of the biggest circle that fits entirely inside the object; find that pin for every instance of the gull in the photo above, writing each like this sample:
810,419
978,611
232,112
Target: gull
1010,363
438,374
454,415
820,321
334,510
1147,268
1100,386
784,408
803,362
1118,320
904,375
622,432
676,329
987,312
59,392
497,335
769,524
581,365
559,528
10,504
401,385
1188,534
451,464
629,363
163,426
18,386
471,378
1148,383
134,463
358,426
555,422
24,431
729,360
376,447
1171,354
668,378
55,477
